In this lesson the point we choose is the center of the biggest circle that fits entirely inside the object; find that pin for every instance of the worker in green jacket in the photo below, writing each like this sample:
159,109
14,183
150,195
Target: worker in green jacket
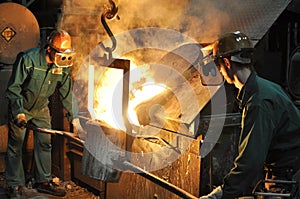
36,74
270,126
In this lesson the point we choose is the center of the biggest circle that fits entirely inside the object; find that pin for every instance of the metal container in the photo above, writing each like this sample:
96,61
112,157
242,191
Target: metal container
19,30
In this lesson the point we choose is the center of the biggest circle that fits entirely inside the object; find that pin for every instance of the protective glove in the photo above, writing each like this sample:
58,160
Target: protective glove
78,130
20,120
217,193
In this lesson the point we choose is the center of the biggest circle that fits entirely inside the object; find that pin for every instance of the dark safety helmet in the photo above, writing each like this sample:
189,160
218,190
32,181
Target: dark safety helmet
60,42
234,45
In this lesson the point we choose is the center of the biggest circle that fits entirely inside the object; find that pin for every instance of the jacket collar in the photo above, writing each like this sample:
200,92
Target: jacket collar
248,90
43,57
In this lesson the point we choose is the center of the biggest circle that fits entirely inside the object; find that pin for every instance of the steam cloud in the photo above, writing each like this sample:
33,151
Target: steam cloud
190,17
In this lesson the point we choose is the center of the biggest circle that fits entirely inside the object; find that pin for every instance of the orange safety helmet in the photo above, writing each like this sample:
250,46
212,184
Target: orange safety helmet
235,45
61,43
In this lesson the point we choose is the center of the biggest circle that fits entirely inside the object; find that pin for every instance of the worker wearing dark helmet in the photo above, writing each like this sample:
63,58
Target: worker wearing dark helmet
270,126
36,74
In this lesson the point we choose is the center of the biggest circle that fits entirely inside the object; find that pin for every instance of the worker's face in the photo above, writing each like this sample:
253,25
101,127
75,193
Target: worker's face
61,59
226,70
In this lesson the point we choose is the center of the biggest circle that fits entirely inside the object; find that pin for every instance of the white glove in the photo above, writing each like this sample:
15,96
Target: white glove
217,193
20,120
78,130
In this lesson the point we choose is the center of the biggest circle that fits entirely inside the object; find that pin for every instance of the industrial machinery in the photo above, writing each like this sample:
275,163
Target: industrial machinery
19,30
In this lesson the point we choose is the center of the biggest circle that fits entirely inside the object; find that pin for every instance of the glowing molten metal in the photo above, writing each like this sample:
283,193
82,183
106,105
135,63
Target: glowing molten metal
108,94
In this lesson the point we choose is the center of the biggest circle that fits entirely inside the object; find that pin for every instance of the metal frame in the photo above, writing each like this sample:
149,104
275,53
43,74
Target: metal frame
284,195
124,65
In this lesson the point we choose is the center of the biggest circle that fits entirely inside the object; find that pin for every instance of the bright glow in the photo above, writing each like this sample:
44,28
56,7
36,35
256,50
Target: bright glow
91,91
108,94
147,91
108,98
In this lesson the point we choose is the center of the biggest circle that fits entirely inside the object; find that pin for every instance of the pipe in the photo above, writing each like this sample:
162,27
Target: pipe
172,188
273,194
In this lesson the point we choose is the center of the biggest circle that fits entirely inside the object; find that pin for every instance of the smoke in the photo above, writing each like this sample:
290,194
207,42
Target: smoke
190,17
200,21
155,13
189,21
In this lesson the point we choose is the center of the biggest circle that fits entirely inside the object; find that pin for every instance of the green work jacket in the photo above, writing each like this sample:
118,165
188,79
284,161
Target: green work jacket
33,81
270,135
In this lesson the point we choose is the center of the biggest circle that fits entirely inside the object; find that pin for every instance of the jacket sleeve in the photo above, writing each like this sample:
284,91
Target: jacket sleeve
67,96
256,136
14,88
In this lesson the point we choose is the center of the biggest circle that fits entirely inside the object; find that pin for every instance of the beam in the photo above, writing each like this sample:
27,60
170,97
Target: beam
163,183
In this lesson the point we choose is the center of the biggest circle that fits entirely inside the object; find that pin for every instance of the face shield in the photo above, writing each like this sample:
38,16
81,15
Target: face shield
63,58
209,66
209,71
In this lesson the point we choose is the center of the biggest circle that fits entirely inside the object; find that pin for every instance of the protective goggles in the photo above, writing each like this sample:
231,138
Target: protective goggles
63,59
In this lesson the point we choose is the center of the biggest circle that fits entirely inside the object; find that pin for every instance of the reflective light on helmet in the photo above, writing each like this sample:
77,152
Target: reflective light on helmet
60,43
234,45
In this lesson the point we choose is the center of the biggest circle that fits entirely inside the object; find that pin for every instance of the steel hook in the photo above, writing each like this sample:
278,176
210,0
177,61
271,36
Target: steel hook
109,13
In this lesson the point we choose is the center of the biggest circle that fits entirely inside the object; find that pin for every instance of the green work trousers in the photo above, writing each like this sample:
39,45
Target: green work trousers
15,175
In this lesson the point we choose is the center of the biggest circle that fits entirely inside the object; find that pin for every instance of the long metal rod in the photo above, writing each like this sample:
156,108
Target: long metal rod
172,188
273,194
175,132
281,181
52,132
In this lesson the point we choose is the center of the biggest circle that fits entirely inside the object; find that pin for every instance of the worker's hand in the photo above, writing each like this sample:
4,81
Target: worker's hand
78,130
217,193
20,120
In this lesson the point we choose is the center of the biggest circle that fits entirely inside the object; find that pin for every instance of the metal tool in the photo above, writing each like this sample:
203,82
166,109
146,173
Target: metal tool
41,130
109,13
124,164
50,131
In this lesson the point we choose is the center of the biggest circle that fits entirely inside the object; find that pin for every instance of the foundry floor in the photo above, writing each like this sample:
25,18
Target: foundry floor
73,191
